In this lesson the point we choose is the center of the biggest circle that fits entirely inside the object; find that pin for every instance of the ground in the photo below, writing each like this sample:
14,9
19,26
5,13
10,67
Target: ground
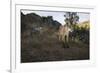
43,47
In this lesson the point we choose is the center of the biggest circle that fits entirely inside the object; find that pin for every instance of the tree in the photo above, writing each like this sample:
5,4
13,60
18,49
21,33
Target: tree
71,17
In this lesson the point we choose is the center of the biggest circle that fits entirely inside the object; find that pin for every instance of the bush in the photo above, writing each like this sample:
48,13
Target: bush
81,34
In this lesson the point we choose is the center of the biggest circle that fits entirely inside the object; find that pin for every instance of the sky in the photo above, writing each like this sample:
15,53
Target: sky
59,16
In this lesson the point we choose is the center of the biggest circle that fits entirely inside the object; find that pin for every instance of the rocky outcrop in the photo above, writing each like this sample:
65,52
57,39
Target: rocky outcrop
33,21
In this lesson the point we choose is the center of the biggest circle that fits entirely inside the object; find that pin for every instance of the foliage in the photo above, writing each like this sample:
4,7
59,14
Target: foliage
81,32
71,17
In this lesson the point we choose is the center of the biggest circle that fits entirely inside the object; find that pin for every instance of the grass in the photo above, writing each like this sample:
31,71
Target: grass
46,47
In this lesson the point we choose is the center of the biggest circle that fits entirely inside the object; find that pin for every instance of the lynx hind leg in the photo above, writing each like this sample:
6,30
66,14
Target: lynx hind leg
66,44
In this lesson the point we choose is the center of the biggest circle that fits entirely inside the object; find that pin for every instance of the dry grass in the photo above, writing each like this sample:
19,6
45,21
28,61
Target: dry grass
46,47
